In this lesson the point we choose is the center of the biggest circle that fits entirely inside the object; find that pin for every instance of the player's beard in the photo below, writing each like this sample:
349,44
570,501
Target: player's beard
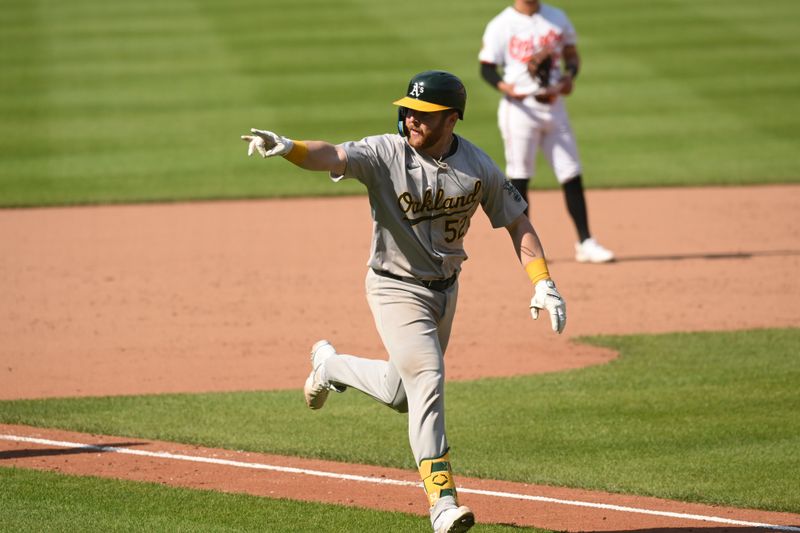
423,138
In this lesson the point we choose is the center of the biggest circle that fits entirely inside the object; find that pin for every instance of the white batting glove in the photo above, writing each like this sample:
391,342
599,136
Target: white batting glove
267,143
545,296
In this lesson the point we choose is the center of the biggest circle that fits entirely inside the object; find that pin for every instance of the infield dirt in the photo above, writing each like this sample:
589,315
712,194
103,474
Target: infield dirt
231,295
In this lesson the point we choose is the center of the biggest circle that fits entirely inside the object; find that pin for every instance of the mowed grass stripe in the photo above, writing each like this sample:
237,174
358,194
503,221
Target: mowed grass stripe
693,103
122,121
122,102
120,111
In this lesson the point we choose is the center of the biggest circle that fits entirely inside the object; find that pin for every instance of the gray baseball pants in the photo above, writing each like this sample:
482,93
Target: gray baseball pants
414,323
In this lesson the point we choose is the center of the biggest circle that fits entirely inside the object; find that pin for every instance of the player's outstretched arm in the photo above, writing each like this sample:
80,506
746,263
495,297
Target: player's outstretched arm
310,155
530,253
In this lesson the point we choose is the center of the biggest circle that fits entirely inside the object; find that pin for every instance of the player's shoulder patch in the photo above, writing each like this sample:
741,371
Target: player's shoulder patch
510,189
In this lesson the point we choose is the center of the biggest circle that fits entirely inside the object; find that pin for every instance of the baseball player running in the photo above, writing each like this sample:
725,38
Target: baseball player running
529,41
424,186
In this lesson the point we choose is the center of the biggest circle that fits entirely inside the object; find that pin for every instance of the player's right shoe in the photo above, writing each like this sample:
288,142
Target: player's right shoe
590,251
316,388
455,520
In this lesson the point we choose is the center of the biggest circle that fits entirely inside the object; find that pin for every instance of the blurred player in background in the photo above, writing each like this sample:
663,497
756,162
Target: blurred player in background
529,41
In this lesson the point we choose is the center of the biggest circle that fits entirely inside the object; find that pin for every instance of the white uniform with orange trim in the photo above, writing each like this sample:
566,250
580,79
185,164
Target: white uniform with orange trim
509,41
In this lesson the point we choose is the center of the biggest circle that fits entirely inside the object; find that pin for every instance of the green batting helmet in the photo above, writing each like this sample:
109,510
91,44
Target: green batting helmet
432,90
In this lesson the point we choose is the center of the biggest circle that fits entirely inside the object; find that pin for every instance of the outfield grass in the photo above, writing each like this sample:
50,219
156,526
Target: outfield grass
46,501
145,101
706,417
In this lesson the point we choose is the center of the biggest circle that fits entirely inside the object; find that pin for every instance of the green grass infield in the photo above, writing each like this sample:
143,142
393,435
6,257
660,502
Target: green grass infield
704,417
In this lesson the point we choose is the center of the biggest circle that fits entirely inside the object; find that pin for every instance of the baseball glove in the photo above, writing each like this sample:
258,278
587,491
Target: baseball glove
541,71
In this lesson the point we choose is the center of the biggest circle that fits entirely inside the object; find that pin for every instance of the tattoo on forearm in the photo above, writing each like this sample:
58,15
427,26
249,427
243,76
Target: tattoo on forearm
526,250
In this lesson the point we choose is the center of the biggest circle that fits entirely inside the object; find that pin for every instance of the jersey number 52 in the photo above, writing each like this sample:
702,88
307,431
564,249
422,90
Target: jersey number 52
455,228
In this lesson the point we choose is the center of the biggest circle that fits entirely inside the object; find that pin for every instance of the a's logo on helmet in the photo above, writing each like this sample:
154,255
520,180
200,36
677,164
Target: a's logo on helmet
417,90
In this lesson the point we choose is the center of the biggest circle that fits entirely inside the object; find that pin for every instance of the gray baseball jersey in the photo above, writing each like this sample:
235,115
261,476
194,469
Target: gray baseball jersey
422,207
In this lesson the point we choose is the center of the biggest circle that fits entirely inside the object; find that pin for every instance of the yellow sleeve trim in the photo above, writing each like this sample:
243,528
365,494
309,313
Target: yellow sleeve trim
537,270
298,153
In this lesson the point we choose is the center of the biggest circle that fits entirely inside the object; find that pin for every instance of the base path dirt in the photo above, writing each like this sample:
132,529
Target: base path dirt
231,295
391,489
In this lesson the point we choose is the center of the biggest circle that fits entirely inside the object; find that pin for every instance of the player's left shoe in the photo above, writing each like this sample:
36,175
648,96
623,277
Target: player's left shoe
316,388
591,251
455,520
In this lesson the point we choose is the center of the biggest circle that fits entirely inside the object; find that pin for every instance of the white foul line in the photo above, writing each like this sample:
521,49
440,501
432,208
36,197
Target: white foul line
386,481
